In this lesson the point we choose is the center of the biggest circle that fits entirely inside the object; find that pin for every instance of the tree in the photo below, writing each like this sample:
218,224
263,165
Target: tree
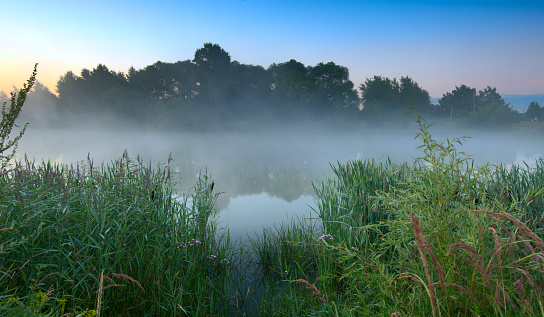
40,106
493,115
249,91
380,92
384,96
290,88
8,121
331,88
412,94
71,90
534,111
458,103
489,96
213,67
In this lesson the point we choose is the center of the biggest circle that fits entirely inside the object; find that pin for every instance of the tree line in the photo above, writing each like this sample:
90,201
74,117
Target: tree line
212,89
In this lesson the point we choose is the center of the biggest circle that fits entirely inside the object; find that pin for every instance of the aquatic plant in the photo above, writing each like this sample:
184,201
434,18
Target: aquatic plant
107,238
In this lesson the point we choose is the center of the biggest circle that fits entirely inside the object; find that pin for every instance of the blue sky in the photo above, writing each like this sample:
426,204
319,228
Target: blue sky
440,44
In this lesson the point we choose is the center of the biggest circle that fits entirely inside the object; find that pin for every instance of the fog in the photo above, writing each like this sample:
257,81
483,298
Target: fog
264,176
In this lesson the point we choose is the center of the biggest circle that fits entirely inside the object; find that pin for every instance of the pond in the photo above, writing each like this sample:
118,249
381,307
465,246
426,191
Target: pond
264,178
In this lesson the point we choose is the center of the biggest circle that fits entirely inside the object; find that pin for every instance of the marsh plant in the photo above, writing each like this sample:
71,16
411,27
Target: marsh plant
440,237
113,239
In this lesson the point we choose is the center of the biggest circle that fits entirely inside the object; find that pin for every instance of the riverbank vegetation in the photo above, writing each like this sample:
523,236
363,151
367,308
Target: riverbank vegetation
438,237
442,237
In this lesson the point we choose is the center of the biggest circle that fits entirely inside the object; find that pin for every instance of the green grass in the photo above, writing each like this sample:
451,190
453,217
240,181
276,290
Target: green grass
440,237
112,240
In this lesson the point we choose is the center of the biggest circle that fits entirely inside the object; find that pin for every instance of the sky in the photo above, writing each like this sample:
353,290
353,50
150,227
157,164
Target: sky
439,44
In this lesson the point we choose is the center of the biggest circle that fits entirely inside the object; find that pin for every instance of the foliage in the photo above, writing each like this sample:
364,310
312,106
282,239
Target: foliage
458,103
211,86
386,98
348,202
534,111
493,115
443,239
486,109
8,145
115,239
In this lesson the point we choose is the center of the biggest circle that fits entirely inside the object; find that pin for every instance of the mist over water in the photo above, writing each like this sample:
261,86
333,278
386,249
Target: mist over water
264,177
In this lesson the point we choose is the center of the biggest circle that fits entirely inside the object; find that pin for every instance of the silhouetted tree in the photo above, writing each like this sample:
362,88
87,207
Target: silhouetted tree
41,106
380,93
458,103
489,96
388,97
412,94
213,73
332,88
534,111
249,91
290,88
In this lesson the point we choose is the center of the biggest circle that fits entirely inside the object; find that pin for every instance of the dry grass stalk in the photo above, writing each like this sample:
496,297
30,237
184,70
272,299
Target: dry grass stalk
115,285
497,246
15,269
11,170
521,294
100,290
129,279
536,286
499,288
48,275
314,289
526,232
418,234
334,261
479,266
462,289
520,225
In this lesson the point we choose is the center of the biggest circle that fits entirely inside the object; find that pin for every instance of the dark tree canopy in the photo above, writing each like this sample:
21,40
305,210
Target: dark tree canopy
458,103
214,90
384,97
486,109
534,111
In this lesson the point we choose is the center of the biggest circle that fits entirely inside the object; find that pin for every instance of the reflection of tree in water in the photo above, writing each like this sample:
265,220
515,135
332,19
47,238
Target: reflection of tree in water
279,175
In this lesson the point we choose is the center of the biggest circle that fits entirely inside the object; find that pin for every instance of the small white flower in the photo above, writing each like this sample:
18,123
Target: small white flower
324,237
354,249
224,261
211,256
194,242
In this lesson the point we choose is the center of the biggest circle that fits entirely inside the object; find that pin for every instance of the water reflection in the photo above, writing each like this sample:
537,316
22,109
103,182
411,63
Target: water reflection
262,177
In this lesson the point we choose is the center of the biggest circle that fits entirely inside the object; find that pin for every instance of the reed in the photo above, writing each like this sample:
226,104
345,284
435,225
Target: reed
110,240
439,237
453,242
347,205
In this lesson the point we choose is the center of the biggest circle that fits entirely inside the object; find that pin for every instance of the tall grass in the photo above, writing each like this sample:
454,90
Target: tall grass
438,237
442,237
111,240
347,203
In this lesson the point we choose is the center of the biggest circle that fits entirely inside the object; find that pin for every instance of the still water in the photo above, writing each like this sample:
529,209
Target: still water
263,178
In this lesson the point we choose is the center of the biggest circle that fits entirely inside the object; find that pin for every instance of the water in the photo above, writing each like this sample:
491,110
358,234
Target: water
263,178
